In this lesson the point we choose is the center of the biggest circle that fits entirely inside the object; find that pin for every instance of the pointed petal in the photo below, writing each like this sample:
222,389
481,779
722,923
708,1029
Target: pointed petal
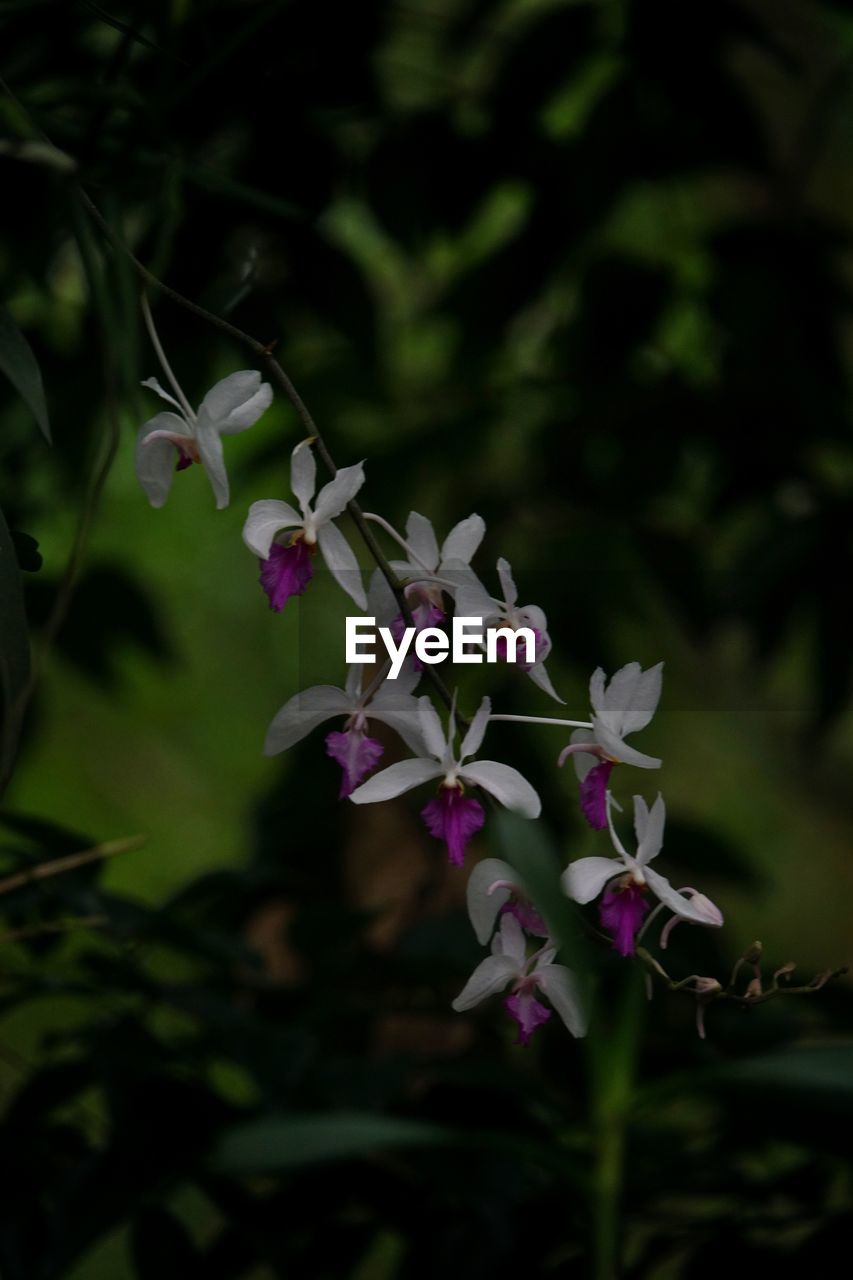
564,992
247,414
302,713
420,536
265,519
472,598
341,562
485,901
508,587
303,474
463,540
505,784
490,977
542,680
154,385
649,828
583,880
381,602
396,779
210,449
596,690
334,496
431,728
473,739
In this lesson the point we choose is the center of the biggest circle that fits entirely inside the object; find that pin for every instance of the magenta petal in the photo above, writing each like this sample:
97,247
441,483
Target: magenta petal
594,795
528,1013
184,461
286,572
454,818
355,753
621,912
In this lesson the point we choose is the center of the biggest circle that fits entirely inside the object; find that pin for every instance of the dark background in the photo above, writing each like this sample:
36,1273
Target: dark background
586,269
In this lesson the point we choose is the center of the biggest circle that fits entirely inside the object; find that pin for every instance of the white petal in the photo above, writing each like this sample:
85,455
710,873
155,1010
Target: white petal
247,414
596,690
401,715
563,990
396,779
420,536
507,582
155,457
229,394
510,941
505,784
671,898
210,449
431,729
463,540
303,474
490,977
483,906
341,562
334,496
632,697
154,385
613,746
302,713
649,828
265,519
542,680
583,761
583,880
407,681
472,598
473,739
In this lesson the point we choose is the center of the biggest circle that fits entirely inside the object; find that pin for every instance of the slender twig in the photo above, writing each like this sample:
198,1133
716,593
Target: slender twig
264,355
57,866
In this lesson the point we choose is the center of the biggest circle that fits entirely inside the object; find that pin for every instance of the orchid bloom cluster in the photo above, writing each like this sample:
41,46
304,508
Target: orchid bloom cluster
431,582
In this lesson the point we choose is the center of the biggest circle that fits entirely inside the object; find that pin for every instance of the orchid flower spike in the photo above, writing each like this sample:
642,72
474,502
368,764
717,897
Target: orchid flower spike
509,963
473,600
286,567
629,880
233,405
627,704
452,816
356,752
494,889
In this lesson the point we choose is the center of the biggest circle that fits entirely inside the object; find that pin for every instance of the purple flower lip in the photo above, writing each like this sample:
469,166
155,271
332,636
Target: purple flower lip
286,571
454,818
622,910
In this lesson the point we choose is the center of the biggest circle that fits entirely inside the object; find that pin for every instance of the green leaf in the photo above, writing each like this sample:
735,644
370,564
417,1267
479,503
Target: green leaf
818,1074
288,1142
19,365
14,652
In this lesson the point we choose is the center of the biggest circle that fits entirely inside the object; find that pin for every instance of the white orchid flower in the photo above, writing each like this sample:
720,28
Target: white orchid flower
452,816
631,880
623,706
286,567
509,963
474,601
356,752
233,405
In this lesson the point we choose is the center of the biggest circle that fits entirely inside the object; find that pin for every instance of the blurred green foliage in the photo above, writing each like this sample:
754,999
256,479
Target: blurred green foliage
584,268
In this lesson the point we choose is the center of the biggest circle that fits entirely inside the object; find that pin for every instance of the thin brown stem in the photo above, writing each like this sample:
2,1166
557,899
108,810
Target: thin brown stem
57,866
